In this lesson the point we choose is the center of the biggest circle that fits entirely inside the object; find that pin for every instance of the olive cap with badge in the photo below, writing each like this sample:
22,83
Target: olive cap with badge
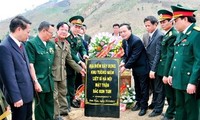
165,14
180,10
77,20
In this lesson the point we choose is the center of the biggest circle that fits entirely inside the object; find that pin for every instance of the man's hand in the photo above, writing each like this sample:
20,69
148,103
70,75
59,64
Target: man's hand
18,103
83,65
122,69
170,80
152,74
122,64
83,72
191,89
85,57
165,80
8,108
37,86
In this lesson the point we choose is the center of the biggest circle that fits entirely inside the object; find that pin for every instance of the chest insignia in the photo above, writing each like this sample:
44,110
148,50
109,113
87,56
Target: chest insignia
51,51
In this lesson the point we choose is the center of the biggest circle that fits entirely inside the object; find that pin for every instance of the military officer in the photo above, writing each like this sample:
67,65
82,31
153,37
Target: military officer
185,69
77,47
40,51
167,53
62,55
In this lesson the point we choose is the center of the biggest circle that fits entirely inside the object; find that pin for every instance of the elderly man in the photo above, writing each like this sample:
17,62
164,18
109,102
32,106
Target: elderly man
135,57
40,51
63,56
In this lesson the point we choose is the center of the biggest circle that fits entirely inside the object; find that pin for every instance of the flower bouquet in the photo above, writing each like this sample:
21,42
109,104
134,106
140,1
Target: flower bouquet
105,45
127,95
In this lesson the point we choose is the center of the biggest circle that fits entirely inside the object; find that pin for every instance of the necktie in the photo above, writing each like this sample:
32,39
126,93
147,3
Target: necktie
127,48
21,47
149,40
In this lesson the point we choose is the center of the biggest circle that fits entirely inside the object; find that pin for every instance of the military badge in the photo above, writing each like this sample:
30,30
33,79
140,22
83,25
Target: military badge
51,51
184,40
79,41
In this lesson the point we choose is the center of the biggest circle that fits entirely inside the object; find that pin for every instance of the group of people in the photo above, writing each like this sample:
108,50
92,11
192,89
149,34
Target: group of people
46,67
43,67
167,63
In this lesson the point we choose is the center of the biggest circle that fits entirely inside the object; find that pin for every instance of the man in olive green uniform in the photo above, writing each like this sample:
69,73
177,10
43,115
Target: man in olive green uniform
62,56
41,55
185,69
167,53
77,47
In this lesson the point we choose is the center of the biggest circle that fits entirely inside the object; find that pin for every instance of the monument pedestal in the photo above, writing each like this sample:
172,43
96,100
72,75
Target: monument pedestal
126,77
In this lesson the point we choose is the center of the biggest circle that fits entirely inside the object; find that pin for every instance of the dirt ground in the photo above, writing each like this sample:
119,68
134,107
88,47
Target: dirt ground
78,114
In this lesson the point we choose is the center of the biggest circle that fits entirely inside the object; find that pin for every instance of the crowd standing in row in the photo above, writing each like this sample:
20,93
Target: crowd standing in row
166,63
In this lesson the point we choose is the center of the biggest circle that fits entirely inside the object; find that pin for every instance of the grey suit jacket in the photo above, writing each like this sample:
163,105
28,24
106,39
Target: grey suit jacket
153,48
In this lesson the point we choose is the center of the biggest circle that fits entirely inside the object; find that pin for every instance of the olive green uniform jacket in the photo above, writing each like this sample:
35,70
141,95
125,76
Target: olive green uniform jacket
185,67
63,56
77,46
42,57
3,103
167,52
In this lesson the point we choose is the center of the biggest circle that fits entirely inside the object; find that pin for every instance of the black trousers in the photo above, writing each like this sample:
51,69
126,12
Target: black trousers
159,92
22,113
142,90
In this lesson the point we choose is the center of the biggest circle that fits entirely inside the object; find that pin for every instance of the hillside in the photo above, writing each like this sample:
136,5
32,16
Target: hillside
99,14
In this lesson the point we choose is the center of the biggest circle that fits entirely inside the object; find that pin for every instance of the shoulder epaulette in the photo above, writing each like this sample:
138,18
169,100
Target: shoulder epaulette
197,28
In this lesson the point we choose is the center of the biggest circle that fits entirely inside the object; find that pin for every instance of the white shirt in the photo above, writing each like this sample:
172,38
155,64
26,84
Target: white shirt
16,41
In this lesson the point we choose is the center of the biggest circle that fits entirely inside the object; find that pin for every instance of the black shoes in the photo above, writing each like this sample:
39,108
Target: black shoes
64,114
75,104
154,114
136,107
142,112
151,106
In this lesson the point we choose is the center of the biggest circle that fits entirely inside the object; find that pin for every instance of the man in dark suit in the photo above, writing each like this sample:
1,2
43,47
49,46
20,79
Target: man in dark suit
135,58
153,48
14,70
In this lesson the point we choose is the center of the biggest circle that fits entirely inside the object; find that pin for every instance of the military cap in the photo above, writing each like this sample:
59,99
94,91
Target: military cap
164,15
77,20
180,10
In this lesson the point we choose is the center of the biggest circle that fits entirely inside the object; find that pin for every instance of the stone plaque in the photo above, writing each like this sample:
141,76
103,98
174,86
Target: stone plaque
102,88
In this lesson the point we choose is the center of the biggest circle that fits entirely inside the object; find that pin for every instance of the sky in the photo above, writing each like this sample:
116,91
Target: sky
10,8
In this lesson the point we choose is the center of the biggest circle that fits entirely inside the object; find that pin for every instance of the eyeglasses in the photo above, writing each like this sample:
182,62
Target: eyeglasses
50,32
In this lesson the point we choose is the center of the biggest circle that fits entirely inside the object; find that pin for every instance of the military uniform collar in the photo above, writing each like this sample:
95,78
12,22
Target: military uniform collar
184,32
40,42
183,36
